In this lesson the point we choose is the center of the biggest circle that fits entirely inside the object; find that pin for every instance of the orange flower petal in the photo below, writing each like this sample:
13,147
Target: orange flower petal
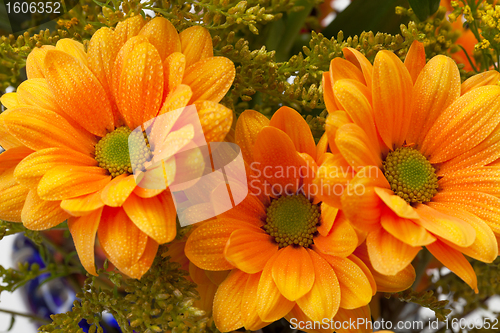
35,67
128,28
436,89
360,315
333,122
68,78
73,48
405,230
146,193
443,225
205,246
271,304
215,119
300,321
141,85
332,178
388,283
36,92
173,67
328,216
40,214
250,250
248,126
102,51
137,270
11,157
342,239
10,100
389,255
455,261
207,293
360,61
31,169
356,146
480,179
321,148
293,272
323,300
46,129
328,96
479,80
463,125
397,204
176,99
277,160
355,287
84,229
358,262
118,190
65,181
291,122
482,154
83,205
485,247
228,300
415,59
163,35
123,242
356,101
210,78
364,210
196,44
217,277
249,303
155,216
392,88
341,69
12,197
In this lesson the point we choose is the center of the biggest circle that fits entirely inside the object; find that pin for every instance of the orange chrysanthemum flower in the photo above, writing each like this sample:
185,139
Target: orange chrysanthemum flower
289,254
420,146
66,134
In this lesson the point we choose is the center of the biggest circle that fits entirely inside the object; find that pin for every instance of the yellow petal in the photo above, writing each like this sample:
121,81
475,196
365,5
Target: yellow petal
271,304
485,247
128,28
73,48
293,272
176,99
196,44
137,270
405,230
84,229
437,87
443,225
397,204
173,68
248,126
68,78
323,300
291,122
210,79
141,85
36,92
12,197
215,119
482,79
415,59
389,255
358,262
10,100
154,216
46,129
455,261
118,190
249,303
162,34
356,146
83,205
392,88
355,287
463,125
122,241
40,214
227,301
35,67
11,157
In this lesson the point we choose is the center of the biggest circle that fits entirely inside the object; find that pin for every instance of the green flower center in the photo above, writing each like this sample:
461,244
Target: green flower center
411,175
292,220
112,151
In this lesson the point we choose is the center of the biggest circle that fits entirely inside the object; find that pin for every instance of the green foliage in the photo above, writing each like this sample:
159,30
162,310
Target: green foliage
161,301
424,8
426,299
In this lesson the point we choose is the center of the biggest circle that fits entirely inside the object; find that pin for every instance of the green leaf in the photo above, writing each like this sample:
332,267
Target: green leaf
424,8
367,15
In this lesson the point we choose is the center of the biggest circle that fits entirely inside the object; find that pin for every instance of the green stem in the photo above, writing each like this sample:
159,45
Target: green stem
26,315
423,262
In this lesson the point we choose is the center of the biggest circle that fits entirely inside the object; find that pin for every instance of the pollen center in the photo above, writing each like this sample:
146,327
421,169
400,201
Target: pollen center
292,220
112,151
411,175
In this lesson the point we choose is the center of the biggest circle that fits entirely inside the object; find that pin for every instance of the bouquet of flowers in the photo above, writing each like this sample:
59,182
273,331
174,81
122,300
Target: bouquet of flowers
258,165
